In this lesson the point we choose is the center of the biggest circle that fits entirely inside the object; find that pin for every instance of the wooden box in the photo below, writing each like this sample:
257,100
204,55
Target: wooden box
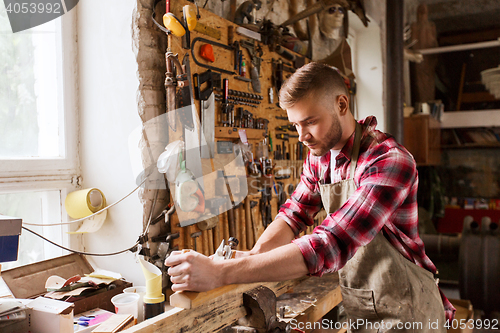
422,138
29,281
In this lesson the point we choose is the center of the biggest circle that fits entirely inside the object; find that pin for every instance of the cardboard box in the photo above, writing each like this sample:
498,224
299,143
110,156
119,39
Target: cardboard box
29,281
10,229
465,312
51,316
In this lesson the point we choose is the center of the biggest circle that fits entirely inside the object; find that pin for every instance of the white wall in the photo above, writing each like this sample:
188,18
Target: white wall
368,68
108,114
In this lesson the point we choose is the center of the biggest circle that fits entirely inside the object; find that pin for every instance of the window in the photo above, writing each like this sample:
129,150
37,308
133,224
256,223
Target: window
38,130
35,207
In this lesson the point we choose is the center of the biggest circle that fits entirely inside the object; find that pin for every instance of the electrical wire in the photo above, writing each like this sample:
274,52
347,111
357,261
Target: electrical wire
112,253
102,254
79,252
87,217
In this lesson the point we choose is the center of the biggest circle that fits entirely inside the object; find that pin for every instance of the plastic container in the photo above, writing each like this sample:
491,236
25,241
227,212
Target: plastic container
126,303
153,309
141,291
243,69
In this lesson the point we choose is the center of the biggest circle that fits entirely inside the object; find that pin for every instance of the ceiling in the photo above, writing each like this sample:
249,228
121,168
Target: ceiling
454,16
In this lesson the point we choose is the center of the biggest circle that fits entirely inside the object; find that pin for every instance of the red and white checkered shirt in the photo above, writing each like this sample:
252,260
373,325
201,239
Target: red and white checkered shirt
386,199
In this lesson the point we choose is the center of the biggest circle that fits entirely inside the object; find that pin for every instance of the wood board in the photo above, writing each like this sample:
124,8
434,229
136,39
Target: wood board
212,316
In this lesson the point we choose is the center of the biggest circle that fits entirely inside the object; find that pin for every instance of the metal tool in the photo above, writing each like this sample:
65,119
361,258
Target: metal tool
208,116
285,136
204,40
171,83
260,304
226,251
255,52
265,206
208,77
286,128
191,129
227,108
277,77
195,235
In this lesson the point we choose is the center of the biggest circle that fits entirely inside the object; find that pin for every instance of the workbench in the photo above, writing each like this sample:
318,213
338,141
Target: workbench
308,298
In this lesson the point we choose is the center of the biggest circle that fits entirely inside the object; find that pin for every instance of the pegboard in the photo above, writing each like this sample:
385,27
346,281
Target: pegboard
268,109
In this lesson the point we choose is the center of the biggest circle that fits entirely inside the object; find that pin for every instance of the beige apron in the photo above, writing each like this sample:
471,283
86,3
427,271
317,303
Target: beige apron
382,290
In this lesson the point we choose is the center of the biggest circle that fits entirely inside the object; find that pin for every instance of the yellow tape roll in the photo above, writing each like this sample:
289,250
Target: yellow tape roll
83,203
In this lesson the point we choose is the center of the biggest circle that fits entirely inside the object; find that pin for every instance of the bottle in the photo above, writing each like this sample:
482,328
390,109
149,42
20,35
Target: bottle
243,69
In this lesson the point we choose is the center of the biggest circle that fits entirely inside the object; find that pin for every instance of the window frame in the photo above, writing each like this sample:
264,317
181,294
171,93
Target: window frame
55,174
18,173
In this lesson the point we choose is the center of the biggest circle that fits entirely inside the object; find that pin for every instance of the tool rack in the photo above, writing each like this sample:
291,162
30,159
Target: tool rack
264,109
215,310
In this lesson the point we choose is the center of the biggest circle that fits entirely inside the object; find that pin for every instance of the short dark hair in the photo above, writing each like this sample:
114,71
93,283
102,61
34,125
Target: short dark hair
314,77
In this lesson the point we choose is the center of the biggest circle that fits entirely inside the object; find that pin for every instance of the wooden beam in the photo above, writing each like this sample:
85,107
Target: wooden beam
217,312
478,97
471,37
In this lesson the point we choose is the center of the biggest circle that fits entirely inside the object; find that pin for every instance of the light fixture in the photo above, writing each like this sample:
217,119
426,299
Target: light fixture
491,79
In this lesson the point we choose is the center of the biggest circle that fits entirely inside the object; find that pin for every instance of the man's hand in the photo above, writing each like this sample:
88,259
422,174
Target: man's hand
193,271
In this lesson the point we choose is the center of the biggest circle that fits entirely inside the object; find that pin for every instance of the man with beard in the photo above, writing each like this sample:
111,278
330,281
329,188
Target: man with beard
367,183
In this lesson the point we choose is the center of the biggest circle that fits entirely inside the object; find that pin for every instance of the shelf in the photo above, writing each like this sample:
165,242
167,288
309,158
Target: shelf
232,133
472,145
468,119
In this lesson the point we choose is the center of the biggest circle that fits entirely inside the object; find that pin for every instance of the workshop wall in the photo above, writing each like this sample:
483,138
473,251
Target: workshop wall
368,68
115,83
108,115
367,48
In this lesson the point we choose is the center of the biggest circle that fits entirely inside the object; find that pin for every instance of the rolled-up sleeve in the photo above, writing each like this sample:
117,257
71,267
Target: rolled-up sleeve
384,187
305,202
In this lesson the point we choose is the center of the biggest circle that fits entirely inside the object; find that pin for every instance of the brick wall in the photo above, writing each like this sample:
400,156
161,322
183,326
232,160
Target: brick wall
149,45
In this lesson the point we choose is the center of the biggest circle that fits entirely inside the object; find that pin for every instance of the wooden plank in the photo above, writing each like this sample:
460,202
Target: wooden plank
466,119
478,97
471,37
212,316
312,299
191,299
211,249
243,229
249,226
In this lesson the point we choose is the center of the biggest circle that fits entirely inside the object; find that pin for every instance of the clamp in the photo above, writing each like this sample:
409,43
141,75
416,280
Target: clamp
260,304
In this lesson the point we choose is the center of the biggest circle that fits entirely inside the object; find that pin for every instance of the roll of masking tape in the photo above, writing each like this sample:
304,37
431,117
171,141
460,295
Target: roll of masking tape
83,203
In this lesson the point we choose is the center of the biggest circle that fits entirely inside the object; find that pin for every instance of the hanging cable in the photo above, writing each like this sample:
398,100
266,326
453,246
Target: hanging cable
87,217
79,252
142,236
101,254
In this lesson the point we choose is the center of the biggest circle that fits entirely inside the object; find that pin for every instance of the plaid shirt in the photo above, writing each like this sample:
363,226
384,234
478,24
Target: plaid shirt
386,199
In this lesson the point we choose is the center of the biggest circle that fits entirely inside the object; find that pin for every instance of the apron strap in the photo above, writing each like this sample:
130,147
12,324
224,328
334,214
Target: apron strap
355,150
